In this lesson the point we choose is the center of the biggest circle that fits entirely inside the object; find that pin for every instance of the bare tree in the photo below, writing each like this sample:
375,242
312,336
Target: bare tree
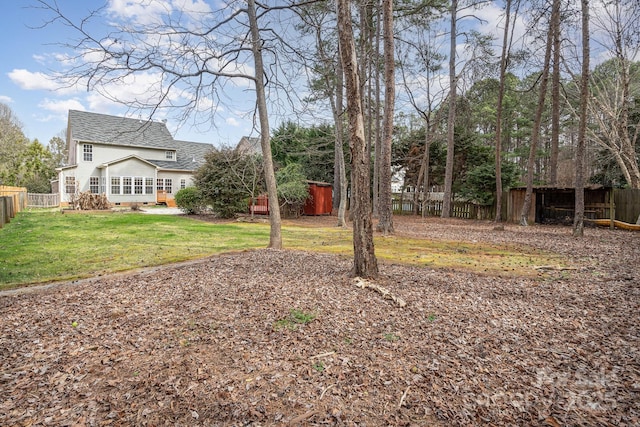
340,168
275,235
365,262
578,219
419,66
451,119
385,209
331,75
555,95
612,95
501,88
535,133
194,56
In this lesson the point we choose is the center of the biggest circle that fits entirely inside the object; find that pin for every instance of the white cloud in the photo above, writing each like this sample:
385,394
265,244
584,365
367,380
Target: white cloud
231,121
134,90
41,59
99,104
5,99
143,12
192,7
61,106
29,80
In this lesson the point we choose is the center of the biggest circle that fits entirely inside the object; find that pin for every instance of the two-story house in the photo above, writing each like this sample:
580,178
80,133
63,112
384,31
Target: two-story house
129,160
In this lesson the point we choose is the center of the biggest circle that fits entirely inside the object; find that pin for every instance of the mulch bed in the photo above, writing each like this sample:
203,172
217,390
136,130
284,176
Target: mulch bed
214,342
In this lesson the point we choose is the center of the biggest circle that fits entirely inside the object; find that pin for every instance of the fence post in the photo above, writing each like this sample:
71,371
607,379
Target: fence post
8,209
612,209
3,220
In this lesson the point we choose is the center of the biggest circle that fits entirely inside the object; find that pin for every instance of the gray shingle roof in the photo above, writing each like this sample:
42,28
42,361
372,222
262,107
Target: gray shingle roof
249,145
189,155
114,130
106,129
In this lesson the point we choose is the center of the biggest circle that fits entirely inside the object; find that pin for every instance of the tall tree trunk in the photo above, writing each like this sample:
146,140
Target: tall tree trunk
578,219
627,142
385,223
535,132
375,114
503,70
334,91
423,173
365,263
365,69
341,169
448,172
555,95
275,235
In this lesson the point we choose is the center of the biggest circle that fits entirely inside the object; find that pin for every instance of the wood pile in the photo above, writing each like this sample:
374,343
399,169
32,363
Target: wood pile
89,201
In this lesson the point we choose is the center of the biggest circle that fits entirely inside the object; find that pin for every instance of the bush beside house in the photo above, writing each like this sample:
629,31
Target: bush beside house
190,201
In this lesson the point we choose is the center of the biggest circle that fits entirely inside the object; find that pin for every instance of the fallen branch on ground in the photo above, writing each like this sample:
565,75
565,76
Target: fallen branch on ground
404,396
556,268
364,283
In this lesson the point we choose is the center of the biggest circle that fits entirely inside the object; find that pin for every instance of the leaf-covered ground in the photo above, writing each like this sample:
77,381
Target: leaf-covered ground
285,338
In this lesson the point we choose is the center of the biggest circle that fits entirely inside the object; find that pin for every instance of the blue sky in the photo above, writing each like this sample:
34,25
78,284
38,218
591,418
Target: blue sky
29,54
35,53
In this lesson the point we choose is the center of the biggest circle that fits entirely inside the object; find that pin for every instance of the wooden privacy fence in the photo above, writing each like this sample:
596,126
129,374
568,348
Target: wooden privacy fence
37,200
466,210
626,205
12,201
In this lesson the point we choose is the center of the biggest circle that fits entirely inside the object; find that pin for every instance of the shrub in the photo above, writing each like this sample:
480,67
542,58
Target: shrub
293,189
228,179
190,200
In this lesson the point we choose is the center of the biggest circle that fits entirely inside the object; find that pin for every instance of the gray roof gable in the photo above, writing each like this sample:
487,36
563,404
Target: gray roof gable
113,130
106,129
189,155
249,145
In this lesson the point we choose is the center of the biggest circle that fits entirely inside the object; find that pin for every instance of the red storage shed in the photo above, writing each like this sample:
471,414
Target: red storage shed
320,201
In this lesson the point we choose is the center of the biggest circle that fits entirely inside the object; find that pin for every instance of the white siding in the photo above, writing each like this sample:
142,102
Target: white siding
108,153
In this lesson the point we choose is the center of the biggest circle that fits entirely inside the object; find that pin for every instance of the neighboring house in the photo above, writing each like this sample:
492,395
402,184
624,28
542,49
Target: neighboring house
129,160
249,146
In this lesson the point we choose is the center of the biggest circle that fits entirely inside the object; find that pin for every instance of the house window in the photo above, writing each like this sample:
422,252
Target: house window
126,185
70,184
138,187
183,184
164,184
115,185
148,185
87,150
169,155
94,184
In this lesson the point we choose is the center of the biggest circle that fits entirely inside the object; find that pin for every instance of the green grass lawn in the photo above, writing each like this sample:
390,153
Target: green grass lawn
44,246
